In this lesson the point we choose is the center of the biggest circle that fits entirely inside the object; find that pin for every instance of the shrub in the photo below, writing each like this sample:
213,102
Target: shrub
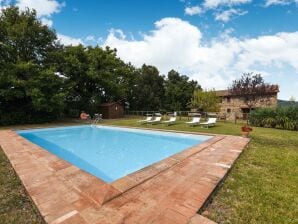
281,117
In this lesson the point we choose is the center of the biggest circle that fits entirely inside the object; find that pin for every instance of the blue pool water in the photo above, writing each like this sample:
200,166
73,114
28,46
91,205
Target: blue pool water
107,152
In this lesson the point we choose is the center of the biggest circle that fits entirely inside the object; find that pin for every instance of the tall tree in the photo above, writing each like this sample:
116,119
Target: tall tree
178,91
94,75
206,101
29,88
251,88
149,89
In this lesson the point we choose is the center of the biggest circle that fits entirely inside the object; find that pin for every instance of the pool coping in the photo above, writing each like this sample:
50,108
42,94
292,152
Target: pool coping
135,178
25,157
131,180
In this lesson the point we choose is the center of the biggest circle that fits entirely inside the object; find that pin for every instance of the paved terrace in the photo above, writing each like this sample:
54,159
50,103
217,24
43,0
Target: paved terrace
170,191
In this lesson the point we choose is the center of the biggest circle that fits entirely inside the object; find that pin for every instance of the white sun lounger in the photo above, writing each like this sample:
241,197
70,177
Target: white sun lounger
171,121
146,120
210,122
155,121
195,121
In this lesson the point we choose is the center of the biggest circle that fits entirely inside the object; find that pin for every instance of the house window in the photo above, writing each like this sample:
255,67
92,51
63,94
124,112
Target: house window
228,110
228,99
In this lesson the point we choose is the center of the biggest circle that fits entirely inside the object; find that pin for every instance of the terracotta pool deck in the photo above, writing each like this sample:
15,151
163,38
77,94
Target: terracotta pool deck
170,191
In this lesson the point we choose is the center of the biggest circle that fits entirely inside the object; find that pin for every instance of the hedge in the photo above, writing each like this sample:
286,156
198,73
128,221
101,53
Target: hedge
280,117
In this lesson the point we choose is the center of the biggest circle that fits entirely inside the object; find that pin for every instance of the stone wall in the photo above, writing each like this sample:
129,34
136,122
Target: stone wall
234,106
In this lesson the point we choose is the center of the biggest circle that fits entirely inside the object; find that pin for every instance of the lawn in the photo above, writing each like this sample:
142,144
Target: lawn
261,187
15,205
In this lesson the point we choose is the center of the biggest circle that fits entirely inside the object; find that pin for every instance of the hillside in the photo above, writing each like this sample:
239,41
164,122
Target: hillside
286,103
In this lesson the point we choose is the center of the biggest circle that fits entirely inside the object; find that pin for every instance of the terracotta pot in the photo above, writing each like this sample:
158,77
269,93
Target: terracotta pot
245,134
246,129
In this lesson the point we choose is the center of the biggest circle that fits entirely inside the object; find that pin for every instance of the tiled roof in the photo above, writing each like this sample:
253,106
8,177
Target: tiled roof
272,89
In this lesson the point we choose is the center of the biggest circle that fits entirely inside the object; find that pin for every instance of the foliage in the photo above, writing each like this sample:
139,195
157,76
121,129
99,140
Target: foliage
30,91
264,175
15,204
93,75
262,185
281,117
149,89
41,80
206,100
286,103
251,87
178,91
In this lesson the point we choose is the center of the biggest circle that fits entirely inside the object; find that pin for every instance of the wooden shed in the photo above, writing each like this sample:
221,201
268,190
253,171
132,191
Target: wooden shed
112,110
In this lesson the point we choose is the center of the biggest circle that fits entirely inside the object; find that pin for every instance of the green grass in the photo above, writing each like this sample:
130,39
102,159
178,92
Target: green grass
15,205
221,128
261,187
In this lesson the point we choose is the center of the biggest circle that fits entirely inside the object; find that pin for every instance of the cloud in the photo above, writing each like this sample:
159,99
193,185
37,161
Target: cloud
279,2
166,46
46,21
67,40
4,4
90,38
42,7
226,15
279,50
216,3
177,44
220,6
194,10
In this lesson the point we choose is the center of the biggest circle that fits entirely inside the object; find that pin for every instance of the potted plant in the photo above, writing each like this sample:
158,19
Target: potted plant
245,131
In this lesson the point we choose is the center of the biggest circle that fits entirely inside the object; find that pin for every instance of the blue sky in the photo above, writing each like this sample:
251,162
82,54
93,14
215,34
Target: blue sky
79,19
212,41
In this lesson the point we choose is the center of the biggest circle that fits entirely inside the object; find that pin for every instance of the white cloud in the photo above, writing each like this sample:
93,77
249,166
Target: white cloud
220,6
117,33
42,7
217,3
226,15
279,2
90,38
46,21
166,46
278,49
176,44
5,3
67,40
194,10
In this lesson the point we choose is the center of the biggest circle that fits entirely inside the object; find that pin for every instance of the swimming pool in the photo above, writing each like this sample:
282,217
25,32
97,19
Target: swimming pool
110,152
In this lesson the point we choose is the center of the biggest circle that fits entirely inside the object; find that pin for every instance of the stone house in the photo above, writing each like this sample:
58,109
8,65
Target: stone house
233,106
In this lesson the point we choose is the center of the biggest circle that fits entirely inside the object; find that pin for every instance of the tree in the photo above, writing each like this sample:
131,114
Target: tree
292,99
149,89
206,101
94,75
30,91
178,91
40,79
251,87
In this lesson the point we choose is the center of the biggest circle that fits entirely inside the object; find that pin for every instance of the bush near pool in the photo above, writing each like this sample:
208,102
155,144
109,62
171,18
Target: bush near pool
281,117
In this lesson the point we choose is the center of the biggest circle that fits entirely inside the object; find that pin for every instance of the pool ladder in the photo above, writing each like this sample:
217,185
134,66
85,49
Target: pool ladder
97,118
